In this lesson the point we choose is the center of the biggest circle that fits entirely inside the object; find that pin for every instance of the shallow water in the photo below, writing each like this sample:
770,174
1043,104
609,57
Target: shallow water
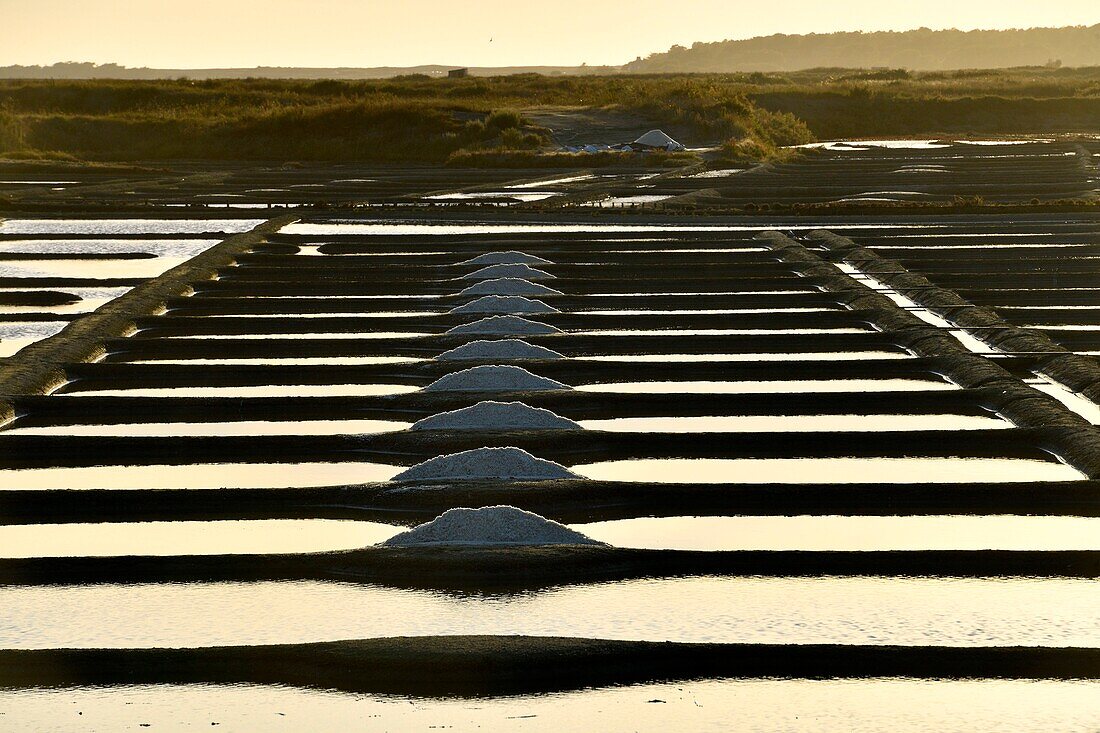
708,706
828,470
161,247
267,390
101,269
126,226
252,427
17,335
714,311
306,336
287,360
257,536
794,423
779,385
721,331
804,356
864,610
198,476
847,533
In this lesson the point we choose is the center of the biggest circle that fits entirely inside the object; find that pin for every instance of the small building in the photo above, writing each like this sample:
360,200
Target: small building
458,73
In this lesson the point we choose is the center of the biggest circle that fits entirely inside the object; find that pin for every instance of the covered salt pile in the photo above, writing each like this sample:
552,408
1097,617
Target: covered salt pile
504,326
511,257
505,304
505,350
493,525
489,415
520,271
487,464
494,378
509,286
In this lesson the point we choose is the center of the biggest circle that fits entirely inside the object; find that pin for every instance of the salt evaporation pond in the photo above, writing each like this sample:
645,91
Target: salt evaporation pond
828,470
91,268
197,476
185,248
794,423
786,386
229,428
891,705
108,227
825,610
805,356
266,390
223,537
849,533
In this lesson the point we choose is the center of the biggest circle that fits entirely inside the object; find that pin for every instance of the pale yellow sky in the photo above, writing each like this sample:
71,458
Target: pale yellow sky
210,33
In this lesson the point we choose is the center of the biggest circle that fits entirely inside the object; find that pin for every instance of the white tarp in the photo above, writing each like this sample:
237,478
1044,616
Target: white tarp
658,139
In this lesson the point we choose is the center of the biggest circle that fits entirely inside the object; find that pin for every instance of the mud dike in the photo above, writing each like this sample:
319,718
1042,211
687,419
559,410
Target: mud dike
507,409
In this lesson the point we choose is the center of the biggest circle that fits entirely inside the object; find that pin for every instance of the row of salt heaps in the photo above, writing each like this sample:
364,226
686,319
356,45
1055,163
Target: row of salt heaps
505,280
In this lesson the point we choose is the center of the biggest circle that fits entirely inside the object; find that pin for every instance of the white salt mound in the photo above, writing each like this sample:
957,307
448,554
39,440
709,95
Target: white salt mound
484,464
493,525
488,415
504,350
505,326
494,378
505,304
520,271
511,257
509,286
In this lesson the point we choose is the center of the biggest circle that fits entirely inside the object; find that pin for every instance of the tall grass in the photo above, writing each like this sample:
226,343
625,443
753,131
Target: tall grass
11,131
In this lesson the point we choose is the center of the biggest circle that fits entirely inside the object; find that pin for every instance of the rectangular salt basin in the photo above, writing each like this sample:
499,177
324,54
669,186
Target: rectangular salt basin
959,612
16,335
828,470
712,311
185,248
877,705
849,534
794,423
722,331
224,537
100,269
197,476
803,356
247,427
306,336
286,360
266,390
126,226
779,385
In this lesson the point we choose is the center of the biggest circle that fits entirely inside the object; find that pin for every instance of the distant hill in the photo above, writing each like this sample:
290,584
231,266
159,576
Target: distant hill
922,49
80,70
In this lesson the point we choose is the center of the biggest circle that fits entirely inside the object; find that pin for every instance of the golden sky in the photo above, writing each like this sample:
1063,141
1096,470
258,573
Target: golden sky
213,33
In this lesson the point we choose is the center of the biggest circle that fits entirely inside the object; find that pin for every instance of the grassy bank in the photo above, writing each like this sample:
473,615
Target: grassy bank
421,119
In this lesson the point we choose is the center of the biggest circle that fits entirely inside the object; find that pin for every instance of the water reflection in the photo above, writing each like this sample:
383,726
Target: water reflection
265,390
199,476
706,706
244,427
828,470
795,423
190,538
867,610
849,533
786,386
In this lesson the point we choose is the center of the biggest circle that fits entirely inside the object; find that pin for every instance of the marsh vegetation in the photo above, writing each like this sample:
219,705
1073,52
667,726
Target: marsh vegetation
487,121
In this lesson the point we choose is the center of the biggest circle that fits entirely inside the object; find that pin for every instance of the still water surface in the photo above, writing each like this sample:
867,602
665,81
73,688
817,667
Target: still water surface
893,705
865,610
